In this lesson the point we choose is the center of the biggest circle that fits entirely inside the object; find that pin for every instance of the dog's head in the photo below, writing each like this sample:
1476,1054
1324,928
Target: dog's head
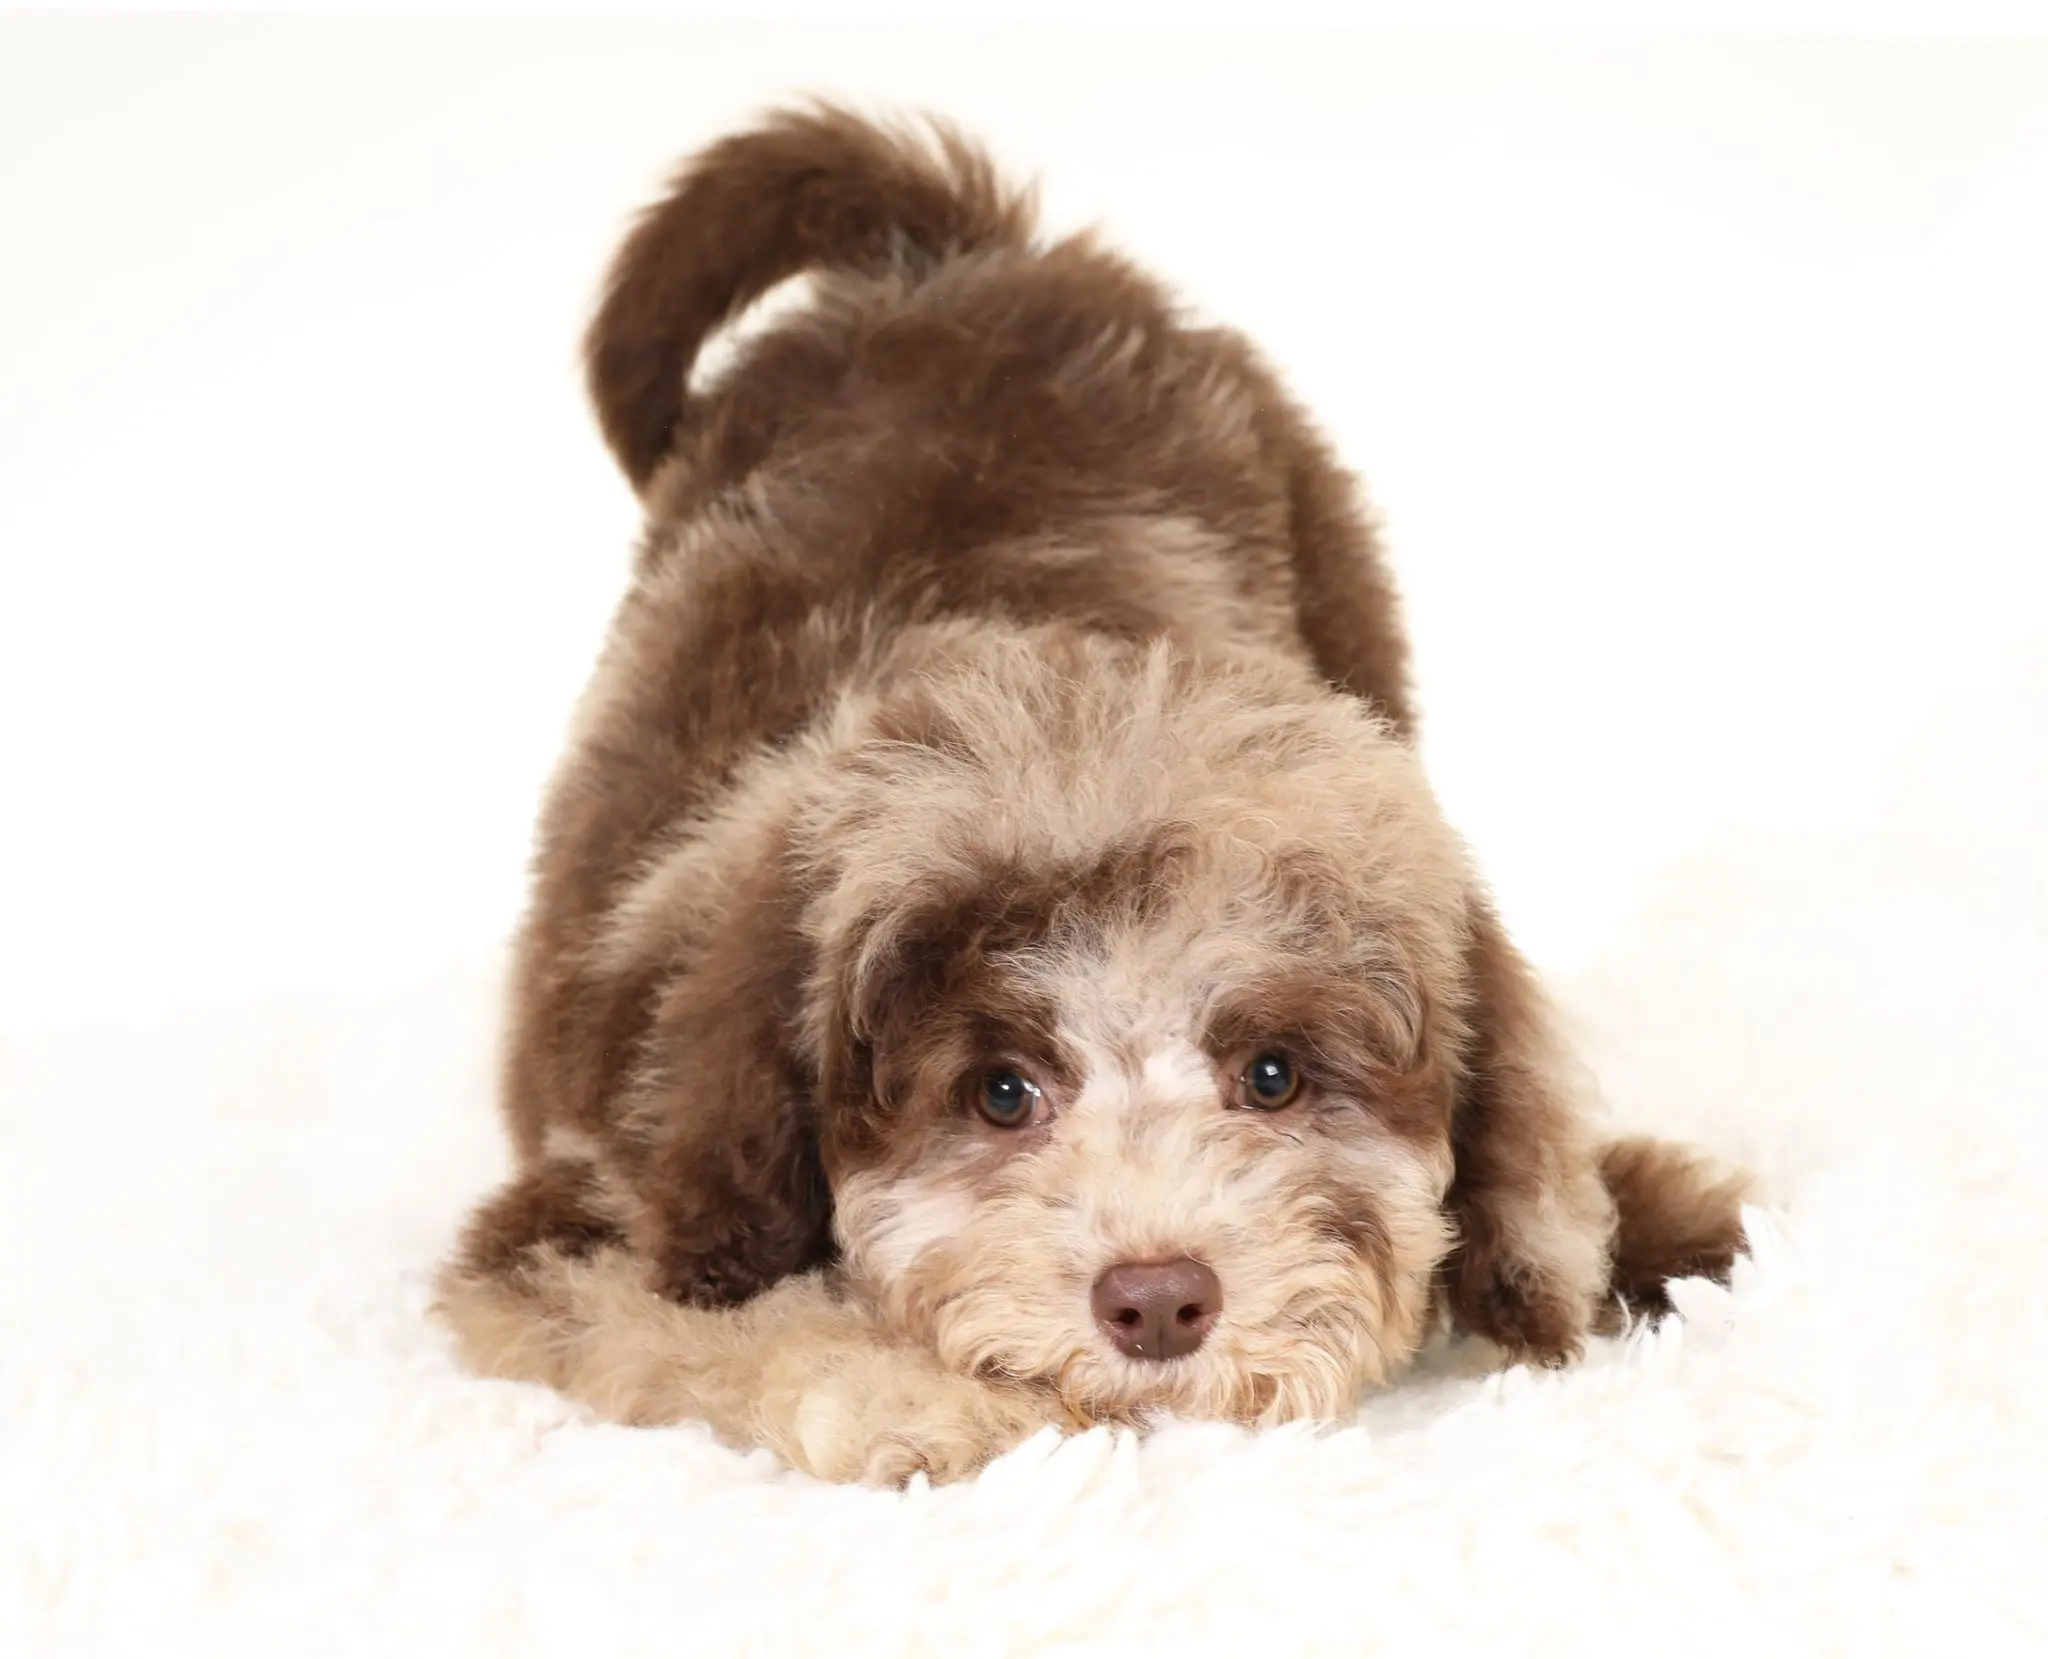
1137,1009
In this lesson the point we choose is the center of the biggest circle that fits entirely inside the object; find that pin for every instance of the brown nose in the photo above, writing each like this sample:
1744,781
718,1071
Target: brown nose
1157,1310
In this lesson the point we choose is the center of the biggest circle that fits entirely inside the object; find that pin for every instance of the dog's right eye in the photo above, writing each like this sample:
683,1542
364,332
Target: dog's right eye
1269,1082
1007,1098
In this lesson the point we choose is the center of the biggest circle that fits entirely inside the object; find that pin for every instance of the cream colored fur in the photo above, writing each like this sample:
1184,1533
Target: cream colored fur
801,1370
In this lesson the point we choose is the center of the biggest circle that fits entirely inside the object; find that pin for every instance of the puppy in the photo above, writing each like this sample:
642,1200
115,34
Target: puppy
994,959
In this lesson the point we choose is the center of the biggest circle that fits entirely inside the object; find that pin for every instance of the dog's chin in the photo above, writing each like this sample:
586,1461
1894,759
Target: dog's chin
1318,1382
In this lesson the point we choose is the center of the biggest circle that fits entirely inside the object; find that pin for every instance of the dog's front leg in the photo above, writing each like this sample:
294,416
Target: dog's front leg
800,1369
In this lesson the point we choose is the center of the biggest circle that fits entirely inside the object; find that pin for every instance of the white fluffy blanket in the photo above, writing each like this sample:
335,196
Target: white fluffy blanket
230,1428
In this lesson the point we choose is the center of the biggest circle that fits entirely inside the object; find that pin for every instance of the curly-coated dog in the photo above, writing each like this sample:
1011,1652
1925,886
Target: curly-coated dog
994,958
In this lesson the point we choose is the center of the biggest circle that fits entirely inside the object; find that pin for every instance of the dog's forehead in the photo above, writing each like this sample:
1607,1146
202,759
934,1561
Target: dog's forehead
1146,996
1143,992
1174,1067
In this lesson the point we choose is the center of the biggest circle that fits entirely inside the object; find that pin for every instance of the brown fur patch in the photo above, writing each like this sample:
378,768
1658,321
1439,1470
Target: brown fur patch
551,1205
1534,1222
1677,1217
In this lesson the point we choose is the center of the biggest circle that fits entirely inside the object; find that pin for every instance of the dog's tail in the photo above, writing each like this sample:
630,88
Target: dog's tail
1677,1216
816,186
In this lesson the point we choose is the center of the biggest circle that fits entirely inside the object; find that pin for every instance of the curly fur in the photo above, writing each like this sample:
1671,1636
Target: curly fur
1009,676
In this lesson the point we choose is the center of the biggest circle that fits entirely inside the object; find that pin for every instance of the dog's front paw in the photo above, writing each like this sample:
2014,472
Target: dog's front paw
1530,1317
890,1417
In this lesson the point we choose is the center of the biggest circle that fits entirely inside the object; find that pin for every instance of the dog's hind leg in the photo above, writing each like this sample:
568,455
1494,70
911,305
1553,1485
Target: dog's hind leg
1677,1216
558,1204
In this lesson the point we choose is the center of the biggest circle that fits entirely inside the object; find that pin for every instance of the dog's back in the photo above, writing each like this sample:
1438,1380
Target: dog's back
963,423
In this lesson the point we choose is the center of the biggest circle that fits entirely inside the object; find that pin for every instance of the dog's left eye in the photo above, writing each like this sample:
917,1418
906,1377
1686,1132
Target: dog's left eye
1007,1097
1270,1081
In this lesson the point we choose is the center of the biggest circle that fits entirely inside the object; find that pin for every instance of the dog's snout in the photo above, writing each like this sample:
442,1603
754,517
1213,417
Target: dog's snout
1157,1310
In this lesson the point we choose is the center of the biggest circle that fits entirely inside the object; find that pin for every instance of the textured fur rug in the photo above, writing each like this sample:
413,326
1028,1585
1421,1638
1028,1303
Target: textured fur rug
229,1426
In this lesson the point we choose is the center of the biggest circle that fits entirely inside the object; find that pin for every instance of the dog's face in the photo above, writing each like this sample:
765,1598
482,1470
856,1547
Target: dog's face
1136,1030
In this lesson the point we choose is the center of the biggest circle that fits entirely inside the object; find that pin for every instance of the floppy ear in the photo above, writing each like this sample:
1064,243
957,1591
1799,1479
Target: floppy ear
732,1195
1534,1220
